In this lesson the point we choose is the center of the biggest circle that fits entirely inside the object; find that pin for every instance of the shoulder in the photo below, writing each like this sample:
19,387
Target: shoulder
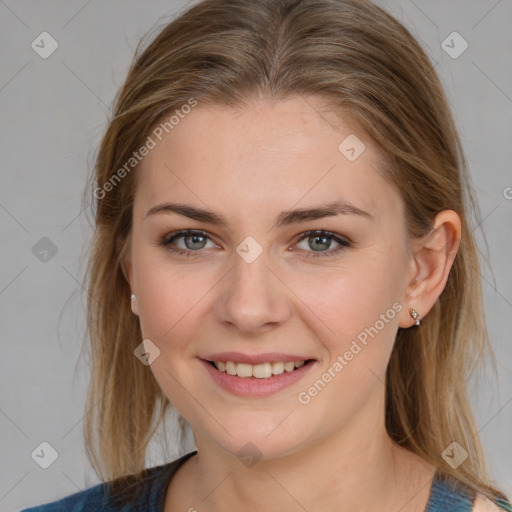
124,494
448,493
483,504
93,498
105,496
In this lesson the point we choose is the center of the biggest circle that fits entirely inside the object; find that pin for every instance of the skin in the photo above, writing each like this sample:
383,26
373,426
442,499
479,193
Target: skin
249,166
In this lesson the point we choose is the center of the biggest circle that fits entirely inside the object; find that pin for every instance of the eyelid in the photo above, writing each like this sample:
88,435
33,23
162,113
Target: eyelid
320,232
185,232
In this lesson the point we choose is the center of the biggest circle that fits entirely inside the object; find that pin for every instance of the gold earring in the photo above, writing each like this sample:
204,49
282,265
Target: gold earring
415,316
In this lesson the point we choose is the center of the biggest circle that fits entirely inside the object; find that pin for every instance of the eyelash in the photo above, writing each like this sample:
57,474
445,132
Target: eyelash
168,240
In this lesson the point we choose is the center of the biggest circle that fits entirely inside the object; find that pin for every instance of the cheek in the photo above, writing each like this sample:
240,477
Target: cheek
359,313
359,301
168,297
170,315
356,293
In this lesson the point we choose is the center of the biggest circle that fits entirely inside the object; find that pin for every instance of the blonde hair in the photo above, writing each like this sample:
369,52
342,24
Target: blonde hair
369,69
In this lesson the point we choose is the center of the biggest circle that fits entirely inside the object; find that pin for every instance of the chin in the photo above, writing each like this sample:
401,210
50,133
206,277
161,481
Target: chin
251,447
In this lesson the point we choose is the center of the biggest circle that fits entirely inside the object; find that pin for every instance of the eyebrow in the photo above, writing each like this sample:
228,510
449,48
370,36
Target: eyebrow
286,217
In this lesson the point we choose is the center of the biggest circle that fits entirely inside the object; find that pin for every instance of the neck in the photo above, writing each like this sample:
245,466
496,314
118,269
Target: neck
358,468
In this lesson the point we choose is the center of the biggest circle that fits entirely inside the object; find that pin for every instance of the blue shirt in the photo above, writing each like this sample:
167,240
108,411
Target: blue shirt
150,496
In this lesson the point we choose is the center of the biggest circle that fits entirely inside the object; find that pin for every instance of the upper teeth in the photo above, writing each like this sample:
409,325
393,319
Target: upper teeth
260,371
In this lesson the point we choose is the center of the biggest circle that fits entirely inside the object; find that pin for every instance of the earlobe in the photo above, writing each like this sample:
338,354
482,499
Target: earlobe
433,257
134,305
126,266
415,316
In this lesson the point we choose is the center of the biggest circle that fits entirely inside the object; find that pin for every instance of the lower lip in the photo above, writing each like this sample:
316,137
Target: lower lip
251,386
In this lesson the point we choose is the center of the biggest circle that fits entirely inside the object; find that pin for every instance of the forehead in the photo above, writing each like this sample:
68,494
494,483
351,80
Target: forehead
280,152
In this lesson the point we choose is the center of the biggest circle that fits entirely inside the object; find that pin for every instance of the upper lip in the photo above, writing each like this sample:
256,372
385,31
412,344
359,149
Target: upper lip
238,357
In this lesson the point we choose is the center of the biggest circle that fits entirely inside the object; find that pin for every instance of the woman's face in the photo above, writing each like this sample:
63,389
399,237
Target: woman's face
253,286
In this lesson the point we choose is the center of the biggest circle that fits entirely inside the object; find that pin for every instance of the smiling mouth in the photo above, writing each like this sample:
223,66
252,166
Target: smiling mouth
258,371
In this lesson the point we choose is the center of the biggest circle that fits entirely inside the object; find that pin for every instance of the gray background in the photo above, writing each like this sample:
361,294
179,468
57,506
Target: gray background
53,112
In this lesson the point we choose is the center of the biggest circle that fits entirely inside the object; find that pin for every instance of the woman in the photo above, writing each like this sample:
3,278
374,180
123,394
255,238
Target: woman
282,252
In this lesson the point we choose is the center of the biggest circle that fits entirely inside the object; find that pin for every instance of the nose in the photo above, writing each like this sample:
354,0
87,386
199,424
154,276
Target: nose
253,298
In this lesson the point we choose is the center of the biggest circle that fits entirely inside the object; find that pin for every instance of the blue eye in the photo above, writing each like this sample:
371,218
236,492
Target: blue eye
194,241
319,241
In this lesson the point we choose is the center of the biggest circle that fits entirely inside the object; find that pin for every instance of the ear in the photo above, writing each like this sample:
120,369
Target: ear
432,258
127,268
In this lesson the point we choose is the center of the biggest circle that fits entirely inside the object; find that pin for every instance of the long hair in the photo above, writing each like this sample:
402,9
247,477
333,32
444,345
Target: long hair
368,68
